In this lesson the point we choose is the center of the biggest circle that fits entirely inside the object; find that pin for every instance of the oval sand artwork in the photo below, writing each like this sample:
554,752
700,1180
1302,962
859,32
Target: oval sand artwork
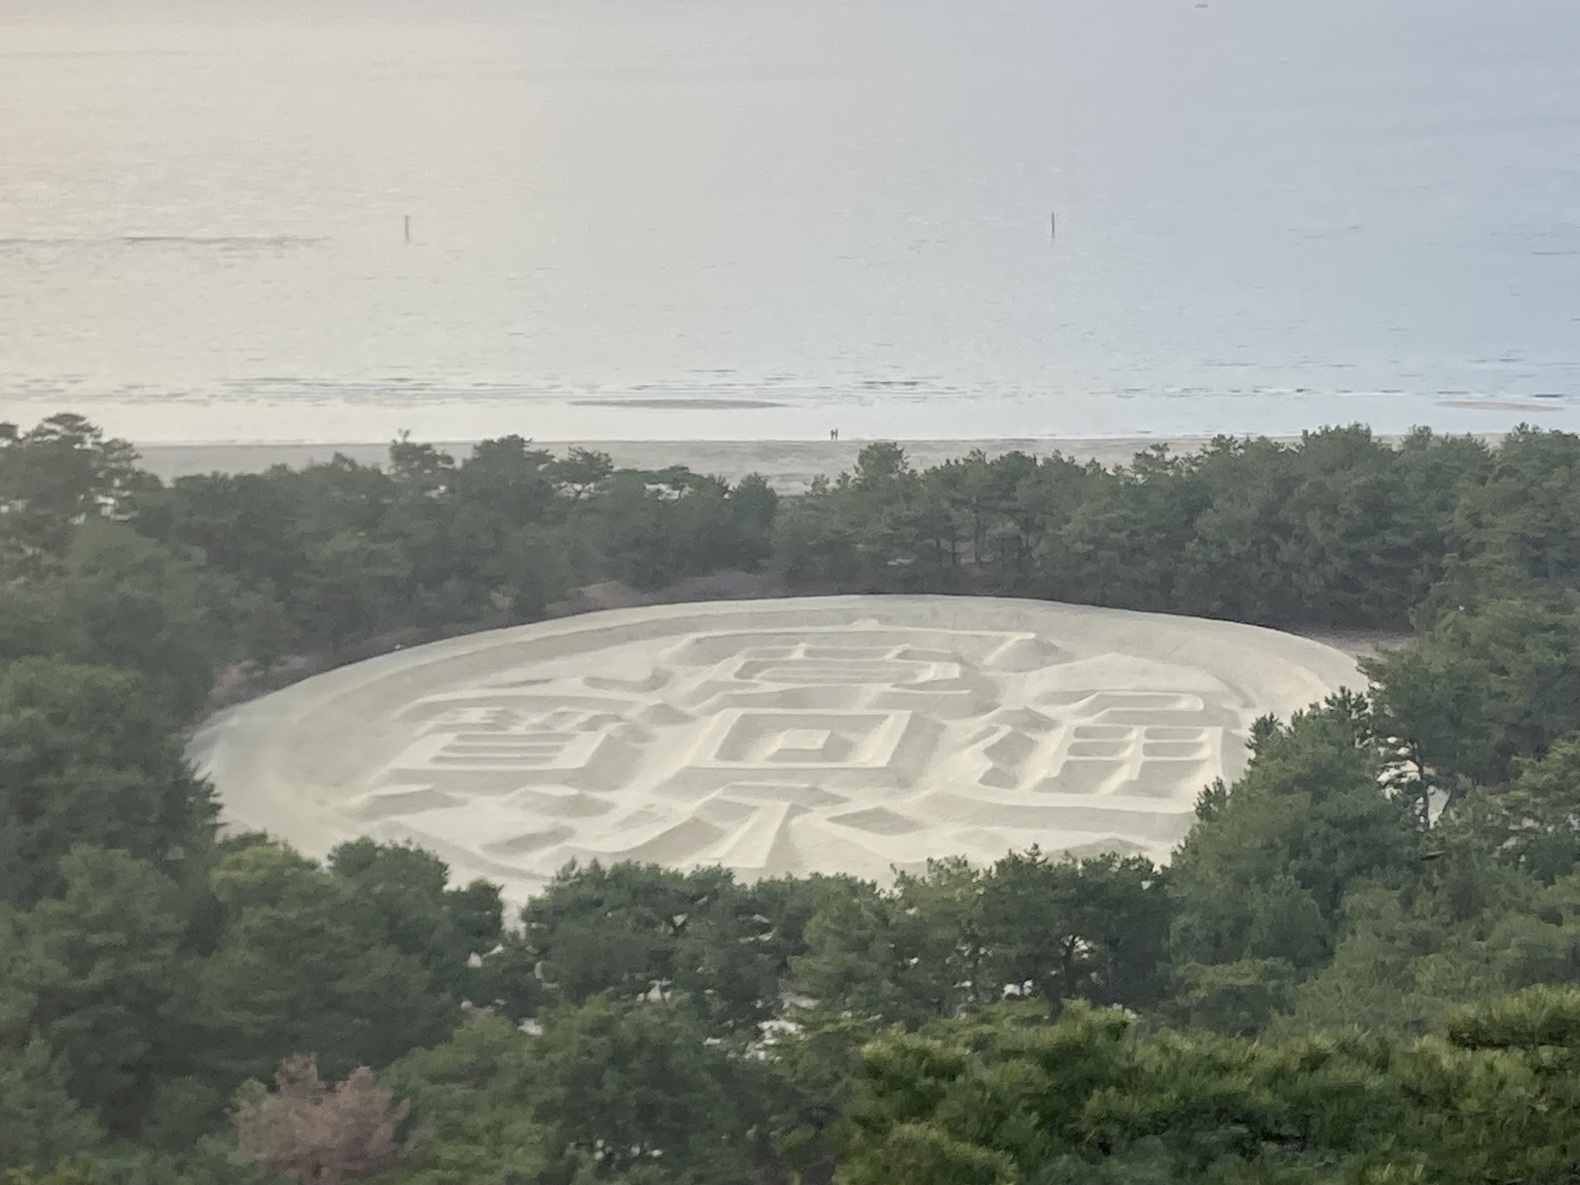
841,734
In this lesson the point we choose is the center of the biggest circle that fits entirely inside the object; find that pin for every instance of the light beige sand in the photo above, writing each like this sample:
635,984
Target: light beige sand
839,734
790,465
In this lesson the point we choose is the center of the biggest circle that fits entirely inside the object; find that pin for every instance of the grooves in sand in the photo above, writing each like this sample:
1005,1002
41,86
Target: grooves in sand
860,735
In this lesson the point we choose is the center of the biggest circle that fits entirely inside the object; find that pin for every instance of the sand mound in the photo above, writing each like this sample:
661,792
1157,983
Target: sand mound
839,734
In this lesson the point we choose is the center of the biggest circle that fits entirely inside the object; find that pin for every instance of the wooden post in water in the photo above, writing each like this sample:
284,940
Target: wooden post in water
1053,226
408,230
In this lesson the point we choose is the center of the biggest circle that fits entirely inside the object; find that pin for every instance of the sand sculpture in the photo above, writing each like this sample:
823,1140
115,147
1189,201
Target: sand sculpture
841,734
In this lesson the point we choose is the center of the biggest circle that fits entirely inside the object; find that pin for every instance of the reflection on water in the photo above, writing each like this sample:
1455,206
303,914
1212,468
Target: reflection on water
739,218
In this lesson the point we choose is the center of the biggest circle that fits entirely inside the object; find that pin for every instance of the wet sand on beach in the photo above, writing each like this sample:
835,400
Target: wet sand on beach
789,465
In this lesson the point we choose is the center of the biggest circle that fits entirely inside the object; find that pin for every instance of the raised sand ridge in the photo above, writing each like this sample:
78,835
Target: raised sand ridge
838,734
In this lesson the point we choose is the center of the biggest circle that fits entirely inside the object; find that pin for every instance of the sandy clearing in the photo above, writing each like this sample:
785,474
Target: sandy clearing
838,734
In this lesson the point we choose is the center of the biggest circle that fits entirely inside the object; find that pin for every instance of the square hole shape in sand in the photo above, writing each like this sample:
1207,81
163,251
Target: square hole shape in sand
876,748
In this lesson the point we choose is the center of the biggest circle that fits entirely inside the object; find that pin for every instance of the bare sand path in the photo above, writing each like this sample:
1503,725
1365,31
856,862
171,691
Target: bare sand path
839,734
789,465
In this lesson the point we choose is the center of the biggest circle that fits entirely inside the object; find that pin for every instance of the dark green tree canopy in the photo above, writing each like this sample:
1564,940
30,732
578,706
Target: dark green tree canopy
1358,967
88,757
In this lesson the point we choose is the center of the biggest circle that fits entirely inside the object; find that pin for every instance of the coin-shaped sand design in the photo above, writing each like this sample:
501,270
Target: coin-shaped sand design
837,734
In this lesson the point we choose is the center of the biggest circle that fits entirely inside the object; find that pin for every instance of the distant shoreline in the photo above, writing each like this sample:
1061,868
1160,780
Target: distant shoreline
789,465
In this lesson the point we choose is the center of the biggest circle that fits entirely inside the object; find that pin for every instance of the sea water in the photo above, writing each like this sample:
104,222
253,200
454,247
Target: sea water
740,219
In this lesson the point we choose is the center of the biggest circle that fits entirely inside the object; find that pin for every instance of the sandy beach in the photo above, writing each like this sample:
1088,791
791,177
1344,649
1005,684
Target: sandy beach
790,465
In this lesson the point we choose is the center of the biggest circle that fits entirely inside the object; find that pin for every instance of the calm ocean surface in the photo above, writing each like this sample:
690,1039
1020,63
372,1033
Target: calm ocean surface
737,219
